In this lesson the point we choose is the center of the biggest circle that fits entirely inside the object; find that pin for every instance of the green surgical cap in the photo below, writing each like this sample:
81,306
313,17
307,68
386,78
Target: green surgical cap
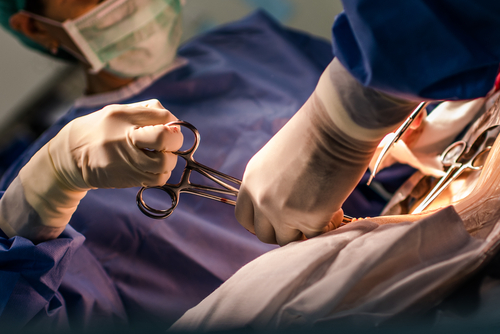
9,8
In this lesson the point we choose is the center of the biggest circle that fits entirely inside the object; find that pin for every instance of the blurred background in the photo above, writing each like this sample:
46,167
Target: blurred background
35,89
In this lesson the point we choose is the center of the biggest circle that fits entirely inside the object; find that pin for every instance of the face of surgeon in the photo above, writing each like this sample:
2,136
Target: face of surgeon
61,10
58,10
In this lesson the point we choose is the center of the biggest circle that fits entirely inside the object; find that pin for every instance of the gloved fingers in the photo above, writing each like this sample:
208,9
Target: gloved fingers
142,116
144,113
264,230
156,163
153,103
337,218
244,210
333,223
156,143
154,180
160,138
256,222
287,234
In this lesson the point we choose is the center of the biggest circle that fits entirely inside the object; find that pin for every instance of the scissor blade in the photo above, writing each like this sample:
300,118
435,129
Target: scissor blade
379,161
399,132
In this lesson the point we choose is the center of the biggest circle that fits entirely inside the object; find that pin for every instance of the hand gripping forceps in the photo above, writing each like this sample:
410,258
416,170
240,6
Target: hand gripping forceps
185,185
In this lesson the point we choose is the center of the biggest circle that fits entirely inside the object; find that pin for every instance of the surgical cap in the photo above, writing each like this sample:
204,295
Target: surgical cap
9,8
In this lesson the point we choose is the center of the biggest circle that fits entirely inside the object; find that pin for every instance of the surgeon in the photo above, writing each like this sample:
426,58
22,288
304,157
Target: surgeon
110,266
389,56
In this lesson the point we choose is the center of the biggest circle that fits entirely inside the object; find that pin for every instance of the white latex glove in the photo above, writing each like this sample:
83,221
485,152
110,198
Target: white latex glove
105,149
295,185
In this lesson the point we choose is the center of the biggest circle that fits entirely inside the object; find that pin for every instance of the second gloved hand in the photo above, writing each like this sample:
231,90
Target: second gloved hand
119,146
295,185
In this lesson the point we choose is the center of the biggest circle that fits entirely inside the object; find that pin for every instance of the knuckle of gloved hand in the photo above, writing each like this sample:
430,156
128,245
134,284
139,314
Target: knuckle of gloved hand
154,103
111,108
113,112
151,103
118,113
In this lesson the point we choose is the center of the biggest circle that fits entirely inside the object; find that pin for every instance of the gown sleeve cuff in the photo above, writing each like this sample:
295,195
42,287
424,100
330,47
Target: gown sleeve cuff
17,216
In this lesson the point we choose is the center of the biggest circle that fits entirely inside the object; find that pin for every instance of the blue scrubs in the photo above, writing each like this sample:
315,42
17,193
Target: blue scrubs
436,49
114,266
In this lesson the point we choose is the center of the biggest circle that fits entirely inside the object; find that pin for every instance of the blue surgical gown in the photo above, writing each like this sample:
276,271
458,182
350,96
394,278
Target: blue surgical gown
436,49
114,266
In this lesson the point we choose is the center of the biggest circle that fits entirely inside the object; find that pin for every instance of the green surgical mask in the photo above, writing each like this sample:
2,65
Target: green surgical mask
129,38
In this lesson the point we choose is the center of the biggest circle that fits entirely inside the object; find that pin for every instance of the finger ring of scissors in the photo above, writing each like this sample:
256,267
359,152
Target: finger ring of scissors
185,185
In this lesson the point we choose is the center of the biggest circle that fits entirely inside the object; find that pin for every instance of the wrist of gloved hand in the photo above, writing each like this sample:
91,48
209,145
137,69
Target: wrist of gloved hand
295,185
52,196
18,217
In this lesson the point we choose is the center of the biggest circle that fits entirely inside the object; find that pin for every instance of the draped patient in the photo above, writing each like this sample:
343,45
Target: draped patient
363,273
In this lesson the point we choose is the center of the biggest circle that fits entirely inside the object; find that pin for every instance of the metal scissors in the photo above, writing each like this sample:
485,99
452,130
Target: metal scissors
185,185
458,159
399,132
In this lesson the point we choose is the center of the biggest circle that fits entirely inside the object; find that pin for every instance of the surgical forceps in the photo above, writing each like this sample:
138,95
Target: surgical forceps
457,159
185,185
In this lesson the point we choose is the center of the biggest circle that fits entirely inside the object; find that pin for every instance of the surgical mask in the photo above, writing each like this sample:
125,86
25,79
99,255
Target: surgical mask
129,38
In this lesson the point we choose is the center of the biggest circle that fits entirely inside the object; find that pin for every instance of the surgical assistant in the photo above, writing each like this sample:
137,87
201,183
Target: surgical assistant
389,56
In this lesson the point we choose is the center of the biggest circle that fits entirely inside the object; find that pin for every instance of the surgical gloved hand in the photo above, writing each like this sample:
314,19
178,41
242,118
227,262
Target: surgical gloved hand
119,146
295,185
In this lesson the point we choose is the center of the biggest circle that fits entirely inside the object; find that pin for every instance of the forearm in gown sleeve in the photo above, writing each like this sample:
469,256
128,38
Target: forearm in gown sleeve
296,184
